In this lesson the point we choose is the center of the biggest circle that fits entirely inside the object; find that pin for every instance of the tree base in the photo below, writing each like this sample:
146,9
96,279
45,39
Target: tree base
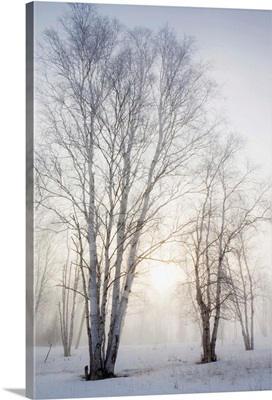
205,360
100,374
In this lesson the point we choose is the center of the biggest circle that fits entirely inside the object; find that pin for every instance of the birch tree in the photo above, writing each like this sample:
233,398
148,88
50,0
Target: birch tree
123,117
229,203
67,304
243,285
263,316
44,270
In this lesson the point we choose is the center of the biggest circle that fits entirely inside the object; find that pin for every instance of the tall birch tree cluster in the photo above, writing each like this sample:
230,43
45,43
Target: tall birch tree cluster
123,118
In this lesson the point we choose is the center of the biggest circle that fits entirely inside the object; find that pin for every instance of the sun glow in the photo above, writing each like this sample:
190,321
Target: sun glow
164,276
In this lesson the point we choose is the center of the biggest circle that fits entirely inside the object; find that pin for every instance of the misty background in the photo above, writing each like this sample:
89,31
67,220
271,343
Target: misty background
238,44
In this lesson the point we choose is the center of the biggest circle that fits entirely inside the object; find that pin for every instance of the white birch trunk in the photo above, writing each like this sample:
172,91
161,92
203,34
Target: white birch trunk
93,287
114,338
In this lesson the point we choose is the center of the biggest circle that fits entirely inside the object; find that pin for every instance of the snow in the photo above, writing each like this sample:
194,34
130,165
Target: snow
171,368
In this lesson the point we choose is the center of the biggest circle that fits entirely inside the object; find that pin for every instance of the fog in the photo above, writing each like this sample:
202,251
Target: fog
152,216
160,308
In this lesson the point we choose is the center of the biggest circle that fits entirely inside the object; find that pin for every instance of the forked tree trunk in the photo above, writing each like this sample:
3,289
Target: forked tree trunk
206,340
214,338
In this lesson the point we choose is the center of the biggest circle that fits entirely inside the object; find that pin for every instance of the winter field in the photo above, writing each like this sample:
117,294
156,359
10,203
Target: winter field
157,369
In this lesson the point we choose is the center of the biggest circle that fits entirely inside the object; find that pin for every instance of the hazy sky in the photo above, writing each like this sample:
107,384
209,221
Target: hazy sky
238,42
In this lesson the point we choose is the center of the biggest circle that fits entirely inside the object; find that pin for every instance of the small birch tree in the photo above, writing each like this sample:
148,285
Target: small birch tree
243,285
67,305
230,202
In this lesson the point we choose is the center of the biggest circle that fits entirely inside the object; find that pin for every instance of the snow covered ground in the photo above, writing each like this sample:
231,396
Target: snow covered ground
157,369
